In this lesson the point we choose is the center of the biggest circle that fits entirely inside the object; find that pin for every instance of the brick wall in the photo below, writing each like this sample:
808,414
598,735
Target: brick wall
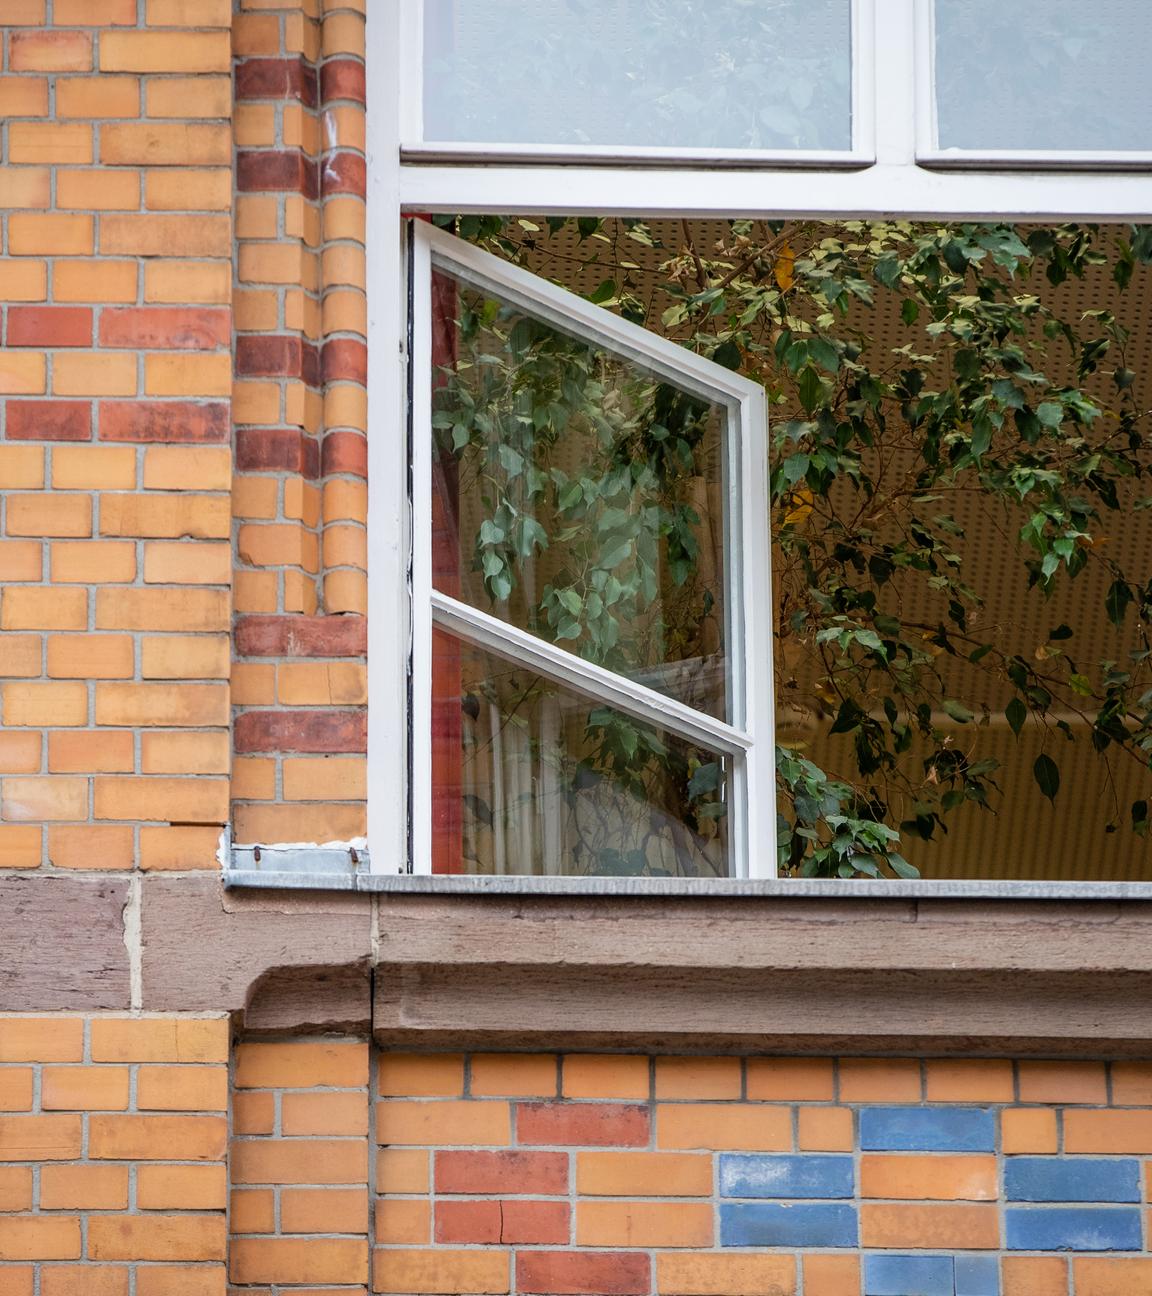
113,1141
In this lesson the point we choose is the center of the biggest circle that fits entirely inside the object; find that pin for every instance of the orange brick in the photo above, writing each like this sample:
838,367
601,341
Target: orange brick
15,1096
1028,1129
177,800
51,235
825,1129
30,608
93,373
90,656
311,821
93,467
1109,1276
324,778
643,1224
52,798
161,704
41,1039
182,1088
330,1114
20,658
689,1077
19,753
512,1075
177,236
200,517
727,1275
90,751
831,1275
204,189
50,51
86,1279
162,609
170,97
19,847
194,282
154,52
104,280
446,1123
643,1174
178,847
929,1178
253,1113
301,1066
969,1080
84,1187
403,1222
423,1272
1119,1132
279,1260
84,1088
157,1237
1132,1084
36,1237
253,1210
22,467
255,591
185,657
402,1170
27,281
160,1039
1063,1082
27,187
22,373
23,96
867,1080
97,190
187,563
16,1190
185,753
98,96
934,1227
796,1079
325,1210
181,1187
79,13
254,778
299,1161
1036,1276
39,1138
177,144
190,1280
35,513
91,846
734,1126
157,1138
181,468
322,683
106,561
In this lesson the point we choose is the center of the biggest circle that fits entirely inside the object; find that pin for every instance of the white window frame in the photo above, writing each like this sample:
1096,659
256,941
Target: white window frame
897,184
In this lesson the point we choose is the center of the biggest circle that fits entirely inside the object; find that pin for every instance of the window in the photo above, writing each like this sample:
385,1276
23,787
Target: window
898,115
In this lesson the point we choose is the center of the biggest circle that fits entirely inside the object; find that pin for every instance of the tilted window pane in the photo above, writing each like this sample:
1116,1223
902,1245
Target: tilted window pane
683,74
1043,74
579,498
529,777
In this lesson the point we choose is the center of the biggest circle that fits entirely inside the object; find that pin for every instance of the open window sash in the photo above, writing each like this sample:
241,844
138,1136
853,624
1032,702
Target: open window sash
694,696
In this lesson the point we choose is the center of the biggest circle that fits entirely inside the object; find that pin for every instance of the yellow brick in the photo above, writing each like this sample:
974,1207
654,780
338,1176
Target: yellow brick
176,800
194,282
185,753
723,1127
23,96
91,846
644,1224
257,216
514,1075
188,13
178,848
255,591
40,799
345,311
274,546
194,190
256,402
20,560
50,235
322,684
643,1174
255,34
185,657
20,655
343,34
22,373
93,373
84,1088
45,704
90,656
425,1271
254,778
253,684
19,752
687,1077
90,751
49,515
26,608
443,1123
187,563
175,236
171,96
402,1171
346,591
19,849
183,468
21,467
149,52
181,374
93,467
186,610
162,704
27,281
325,778
713,1274
41,1039
159,1039
103,280
259,263
98,190
255,497
165,517
165,144
255,125
305,821
81,13
255,311
301,501
29,187
94,561
50,51
98,96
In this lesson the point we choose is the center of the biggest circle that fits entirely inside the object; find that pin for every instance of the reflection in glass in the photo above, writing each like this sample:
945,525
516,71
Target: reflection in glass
577,497
529,777
733,74
1042,74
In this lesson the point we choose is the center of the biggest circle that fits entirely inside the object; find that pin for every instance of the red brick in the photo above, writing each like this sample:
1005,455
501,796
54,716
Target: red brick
345,173
165,421
544,1173
583,1124
274,355
280,171
503,1222
583,1273
311,731
278,450
343,79
272,78
49,326
345,359
301,636
178,328
49,420
344,452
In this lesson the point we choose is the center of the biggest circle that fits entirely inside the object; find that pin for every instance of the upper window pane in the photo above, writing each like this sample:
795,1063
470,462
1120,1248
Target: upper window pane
1041,75
769,75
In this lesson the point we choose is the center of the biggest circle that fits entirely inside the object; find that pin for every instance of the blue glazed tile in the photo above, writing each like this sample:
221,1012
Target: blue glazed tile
978,1275
1072,1228
786,1176
807,1224
927,1129
906,1275
1075,1179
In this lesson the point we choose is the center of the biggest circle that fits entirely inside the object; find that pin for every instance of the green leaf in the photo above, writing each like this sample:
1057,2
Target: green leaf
1016,713
1050,414
811,389
1116,601
1047,775
728,355
957,711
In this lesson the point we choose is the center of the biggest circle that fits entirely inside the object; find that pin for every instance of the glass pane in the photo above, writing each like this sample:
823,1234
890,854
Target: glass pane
1042,74
531,778
577,497
684,74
